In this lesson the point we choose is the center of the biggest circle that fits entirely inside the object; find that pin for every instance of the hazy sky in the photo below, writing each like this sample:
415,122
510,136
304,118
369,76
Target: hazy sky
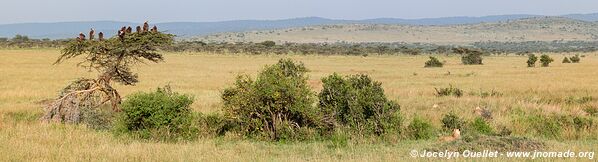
17,11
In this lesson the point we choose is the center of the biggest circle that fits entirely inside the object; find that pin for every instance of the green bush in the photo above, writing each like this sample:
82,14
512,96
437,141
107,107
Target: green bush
433,62
160,115
451,121
359,103
531,60
545,60
575,59
566,60
470,56
449,91
276,106
420,129
479,125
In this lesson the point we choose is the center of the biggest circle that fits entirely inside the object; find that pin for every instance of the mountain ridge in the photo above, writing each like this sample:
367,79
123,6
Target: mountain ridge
59,30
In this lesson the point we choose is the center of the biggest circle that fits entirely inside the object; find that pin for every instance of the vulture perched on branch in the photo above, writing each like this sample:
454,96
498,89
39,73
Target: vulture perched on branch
101,36
81,36
129,29
91,34
145,26
155,29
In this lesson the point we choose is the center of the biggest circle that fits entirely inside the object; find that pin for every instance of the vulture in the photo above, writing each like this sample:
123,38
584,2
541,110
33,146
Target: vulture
138,29
155,29
91,34
81,36
145,26
129,29
121,33
123,29
101,36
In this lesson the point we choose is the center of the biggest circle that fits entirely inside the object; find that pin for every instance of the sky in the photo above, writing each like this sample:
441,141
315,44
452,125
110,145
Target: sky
21,11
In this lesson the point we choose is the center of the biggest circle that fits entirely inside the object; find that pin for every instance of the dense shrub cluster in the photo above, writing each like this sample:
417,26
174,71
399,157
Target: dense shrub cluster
545,60
160,115
277,105
420,129
566,60
531,60
575,59
358,103
451,121
433,62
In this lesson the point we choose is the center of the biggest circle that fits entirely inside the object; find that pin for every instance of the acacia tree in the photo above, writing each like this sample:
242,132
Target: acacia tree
112,58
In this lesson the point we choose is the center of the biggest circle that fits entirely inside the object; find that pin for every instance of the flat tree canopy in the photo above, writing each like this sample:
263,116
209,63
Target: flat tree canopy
113,59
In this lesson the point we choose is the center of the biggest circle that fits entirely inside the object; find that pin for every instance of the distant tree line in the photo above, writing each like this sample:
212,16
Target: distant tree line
537,46
341,48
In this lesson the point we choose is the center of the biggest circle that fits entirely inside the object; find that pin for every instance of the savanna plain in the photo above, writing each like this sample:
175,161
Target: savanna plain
504,85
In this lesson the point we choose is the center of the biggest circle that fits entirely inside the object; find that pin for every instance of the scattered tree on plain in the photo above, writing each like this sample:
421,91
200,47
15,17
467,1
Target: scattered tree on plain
112,58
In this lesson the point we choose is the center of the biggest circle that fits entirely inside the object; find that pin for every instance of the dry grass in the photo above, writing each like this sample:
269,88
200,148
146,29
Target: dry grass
28,77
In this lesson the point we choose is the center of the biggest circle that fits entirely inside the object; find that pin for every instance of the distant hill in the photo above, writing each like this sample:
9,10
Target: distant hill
526,29
189,29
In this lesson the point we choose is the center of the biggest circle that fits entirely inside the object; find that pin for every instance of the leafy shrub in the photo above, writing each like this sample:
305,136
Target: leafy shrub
481,126
160,115
276,106
449,91
359,103
566,60
268,43
420,129
470,56
575,59
451,121
433,62
531,60
545,60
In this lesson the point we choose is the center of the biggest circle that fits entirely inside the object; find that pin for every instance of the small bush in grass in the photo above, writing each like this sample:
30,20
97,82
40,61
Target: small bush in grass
449,91
481,126
575,59
545,60
531,60
451,121
433,62
591,110
275,106
566,60
420,129
359,103
161,115
470,56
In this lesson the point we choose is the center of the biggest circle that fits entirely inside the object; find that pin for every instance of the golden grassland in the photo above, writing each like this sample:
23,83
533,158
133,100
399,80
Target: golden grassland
28,77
